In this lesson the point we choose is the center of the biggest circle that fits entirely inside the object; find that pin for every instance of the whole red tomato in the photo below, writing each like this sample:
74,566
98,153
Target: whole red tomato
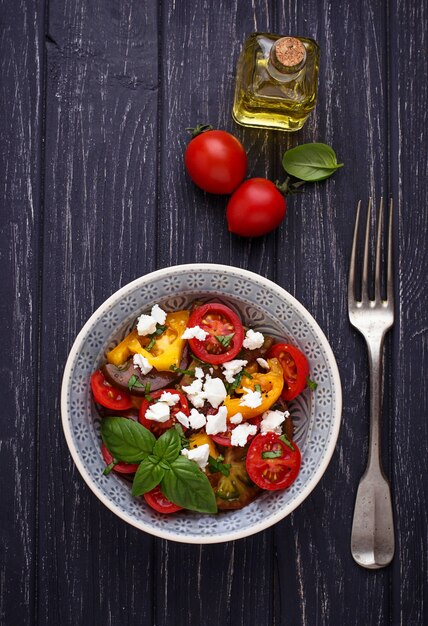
216,161
255,208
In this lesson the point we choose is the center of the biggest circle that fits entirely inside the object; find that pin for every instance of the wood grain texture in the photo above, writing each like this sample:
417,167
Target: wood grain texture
107,200
21,68
101,182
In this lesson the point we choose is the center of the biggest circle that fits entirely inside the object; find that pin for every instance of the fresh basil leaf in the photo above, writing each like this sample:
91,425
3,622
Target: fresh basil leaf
225,340
147,477
271,454
187,486
184,441
311,161
168,446
127,440
287,442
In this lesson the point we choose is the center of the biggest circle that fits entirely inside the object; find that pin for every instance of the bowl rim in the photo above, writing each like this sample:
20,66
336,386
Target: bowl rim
235,534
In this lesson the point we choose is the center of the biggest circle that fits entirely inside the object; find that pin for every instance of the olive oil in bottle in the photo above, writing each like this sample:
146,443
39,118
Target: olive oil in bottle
276,81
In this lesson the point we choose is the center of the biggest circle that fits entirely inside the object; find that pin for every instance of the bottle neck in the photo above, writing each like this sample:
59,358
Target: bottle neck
287,58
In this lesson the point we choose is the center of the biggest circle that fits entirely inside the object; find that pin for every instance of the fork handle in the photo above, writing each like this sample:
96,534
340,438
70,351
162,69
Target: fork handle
372,537
375,352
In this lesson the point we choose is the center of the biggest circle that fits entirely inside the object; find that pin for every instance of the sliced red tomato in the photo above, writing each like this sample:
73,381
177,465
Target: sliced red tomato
105,394
121,467
224,439
225,333
158,502
271,463
295,368
158,428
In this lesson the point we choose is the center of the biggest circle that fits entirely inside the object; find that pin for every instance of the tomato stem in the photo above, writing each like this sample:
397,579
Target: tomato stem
199,129
288,188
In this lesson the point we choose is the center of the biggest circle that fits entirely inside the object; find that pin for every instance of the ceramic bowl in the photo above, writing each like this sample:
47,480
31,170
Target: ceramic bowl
262,305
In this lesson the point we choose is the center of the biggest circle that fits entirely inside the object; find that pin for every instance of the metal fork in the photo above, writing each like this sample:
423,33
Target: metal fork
372,537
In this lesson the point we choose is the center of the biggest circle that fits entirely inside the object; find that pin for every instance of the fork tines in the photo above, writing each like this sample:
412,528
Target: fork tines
365,286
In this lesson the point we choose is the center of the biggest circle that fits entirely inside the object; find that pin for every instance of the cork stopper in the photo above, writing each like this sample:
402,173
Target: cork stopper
288,54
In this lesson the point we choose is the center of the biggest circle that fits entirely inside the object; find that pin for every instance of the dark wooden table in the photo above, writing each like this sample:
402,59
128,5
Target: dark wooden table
95,97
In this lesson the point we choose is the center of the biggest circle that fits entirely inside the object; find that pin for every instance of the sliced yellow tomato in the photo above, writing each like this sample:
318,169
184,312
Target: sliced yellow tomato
202,438
166,351
270,382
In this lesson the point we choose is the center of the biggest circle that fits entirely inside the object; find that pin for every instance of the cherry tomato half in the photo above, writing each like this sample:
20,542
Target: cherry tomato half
121,467
271,463
255,208
159,503
224,439
107,395
216,161
158,428
295,368
218,321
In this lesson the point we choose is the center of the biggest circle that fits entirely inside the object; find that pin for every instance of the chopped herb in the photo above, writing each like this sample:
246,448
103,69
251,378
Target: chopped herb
272,454
287,442
109,467
178,370
225,339
134,382
257,388
184,442
311,384
239,377
159,331
217,466
147,390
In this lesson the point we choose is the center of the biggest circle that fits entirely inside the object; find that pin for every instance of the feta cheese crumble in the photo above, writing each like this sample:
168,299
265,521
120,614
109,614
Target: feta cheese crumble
199,454
196,419
169,398
251,398
158,314
146,324
263,363
182,419
236,419
142,363
196,332
232,368
241,433
253,340
272,420
199,372
158,412
215,391
217,423
194,393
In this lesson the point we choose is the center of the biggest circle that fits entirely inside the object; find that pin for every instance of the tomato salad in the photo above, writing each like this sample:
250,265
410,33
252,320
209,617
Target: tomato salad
194,409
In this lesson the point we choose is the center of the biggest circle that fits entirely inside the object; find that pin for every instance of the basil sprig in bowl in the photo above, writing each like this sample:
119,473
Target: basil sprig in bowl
262,305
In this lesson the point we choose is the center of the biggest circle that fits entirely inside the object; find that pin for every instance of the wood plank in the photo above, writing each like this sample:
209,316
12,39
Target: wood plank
101,179
407,362
318,582
211,584
21,121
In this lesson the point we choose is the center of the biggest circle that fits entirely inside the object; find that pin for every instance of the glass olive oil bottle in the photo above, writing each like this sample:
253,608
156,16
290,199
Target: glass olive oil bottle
276,81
